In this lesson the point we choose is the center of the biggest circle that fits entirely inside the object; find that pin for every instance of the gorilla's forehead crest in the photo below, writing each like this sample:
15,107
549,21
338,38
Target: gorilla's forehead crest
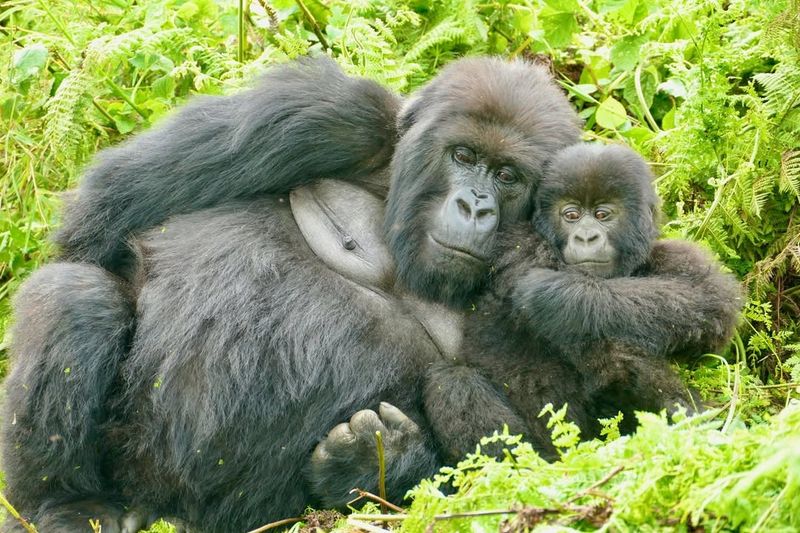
515,96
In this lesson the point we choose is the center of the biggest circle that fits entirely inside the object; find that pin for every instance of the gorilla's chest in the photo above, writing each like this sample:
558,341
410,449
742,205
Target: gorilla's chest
342,224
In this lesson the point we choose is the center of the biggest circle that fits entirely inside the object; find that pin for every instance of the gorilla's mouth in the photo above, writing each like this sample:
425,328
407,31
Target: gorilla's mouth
460,251
590,263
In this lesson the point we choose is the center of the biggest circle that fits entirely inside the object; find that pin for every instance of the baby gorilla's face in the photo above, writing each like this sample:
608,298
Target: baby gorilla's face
585,227
596,206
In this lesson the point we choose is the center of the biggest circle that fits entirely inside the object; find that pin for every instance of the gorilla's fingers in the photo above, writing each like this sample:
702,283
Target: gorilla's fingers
340,437
365,423
396,420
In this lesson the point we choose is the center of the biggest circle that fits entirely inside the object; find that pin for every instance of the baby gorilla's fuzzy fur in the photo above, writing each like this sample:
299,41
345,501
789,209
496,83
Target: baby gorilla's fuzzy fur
550,333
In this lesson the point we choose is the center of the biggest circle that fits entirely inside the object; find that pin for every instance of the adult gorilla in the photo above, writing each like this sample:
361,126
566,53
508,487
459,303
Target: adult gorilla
593,257
263,321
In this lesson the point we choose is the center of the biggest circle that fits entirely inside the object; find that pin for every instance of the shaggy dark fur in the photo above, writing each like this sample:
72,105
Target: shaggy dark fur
247,346
303,121
548,333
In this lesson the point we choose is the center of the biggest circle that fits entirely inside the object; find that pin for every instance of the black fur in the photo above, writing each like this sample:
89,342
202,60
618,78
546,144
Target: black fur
73,325
247,347
549,334
302,122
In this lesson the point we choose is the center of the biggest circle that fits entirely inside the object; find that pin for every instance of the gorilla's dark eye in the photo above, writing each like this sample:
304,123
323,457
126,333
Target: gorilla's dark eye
465,156
602,213
571,213
505,175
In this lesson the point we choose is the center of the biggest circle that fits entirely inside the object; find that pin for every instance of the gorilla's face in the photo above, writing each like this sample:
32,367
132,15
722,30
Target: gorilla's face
596,206
472,151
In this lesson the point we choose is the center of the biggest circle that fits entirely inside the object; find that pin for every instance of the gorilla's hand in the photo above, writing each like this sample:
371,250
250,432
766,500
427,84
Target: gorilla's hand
679,304
348,457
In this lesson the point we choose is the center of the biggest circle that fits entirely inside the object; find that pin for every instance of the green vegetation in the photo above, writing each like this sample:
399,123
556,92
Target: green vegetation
708,90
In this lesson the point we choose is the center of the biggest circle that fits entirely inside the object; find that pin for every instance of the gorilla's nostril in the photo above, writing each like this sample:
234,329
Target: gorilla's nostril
463,208
585,238
479,195
484,213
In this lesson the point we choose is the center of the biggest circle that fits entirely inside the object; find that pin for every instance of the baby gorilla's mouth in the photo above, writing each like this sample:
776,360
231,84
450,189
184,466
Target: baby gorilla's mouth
458,250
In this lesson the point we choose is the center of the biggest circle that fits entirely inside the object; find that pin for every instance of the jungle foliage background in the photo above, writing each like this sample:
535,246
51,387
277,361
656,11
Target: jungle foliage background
707,90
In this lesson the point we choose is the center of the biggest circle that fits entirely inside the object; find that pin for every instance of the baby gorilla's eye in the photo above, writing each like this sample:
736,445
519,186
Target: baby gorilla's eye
506,176
571,214
602,214
464,155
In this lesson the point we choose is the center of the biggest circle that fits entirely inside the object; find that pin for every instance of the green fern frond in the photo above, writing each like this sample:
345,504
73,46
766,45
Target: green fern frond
65,118
110,50
447,32
738,227
762,192
790,172
781,90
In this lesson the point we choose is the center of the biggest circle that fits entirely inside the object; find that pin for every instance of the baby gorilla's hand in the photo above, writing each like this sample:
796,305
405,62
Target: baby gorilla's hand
348,457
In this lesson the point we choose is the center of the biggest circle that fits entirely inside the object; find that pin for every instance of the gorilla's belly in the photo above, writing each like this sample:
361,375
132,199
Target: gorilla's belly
342,224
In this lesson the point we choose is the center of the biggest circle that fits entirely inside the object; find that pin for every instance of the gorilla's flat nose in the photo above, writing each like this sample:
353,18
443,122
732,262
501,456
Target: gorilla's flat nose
586,237
469,208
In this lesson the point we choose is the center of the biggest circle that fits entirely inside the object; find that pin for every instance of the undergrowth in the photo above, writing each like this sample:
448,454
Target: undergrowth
707,90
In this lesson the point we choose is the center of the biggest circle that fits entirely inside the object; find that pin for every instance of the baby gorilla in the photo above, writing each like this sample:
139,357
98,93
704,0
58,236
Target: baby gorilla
551,330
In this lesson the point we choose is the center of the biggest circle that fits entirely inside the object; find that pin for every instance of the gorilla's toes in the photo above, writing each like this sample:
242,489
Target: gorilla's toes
350,452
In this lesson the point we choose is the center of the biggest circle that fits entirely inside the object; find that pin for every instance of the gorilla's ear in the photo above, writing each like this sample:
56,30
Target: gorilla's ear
409,114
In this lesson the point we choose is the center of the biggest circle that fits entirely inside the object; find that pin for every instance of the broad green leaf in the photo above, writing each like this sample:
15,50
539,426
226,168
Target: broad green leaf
668,121
611,114
559,29
28,62
163,87
124,124
625,54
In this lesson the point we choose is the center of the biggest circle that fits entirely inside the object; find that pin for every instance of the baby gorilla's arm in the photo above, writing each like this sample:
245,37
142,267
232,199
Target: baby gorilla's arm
677,304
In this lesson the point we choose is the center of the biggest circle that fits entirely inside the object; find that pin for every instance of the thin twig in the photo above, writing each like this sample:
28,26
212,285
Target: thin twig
470,514
13,512
375,498
596,485
102,111
314,26
378,517
381,470
279,523
241,34
366,526
740,354
777,386
637,84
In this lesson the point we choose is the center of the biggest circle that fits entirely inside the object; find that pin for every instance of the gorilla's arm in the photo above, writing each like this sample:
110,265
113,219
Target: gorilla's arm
303,121
678,304
462,406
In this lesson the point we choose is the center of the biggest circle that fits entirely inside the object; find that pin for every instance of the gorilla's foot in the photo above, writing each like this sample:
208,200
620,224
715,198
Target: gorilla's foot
78,516
349,452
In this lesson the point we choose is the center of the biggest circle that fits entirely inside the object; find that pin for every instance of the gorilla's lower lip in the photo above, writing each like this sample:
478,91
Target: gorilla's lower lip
458,250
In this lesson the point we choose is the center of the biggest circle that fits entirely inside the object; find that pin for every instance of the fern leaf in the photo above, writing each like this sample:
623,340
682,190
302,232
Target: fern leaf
790,173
